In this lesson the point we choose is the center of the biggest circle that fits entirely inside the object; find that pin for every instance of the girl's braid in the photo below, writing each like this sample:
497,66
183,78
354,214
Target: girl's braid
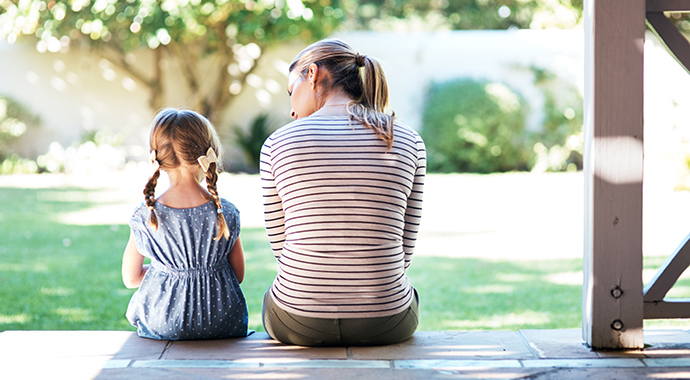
150,197
211,179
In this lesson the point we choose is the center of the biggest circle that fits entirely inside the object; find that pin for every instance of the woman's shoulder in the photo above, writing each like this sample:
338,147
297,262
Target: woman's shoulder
310,124
405,131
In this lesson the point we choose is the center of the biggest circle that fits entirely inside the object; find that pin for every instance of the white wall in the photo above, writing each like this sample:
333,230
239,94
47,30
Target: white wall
76,91
72,93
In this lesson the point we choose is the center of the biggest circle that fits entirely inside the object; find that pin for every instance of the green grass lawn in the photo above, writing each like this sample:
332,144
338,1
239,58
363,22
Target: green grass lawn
57,276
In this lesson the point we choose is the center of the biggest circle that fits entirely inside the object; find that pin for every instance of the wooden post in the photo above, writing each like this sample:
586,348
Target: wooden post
612,288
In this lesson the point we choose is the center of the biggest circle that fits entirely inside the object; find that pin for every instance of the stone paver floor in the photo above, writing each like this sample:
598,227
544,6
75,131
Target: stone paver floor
526,354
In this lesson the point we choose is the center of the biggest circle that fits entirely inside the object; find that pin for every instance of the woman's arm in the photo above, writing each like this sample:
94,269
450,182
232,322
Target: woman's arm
236,260
274,215
413,213
133,268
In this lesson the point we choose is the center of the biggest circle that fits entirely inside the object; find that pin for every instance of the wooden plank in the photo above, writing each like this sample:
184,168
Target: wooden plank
668,309
668,5
675,42
668,273
614,37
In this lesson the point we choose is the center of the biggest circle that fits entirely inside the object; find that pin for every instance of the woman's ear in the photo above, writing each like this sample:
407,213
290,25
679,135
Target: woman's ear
313,75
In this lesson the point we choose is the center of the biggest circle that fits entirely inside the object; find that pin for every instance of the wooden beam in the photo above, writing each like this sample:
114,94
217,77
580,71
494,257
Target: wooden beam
670,309
675,43
668,273
668,6
612,289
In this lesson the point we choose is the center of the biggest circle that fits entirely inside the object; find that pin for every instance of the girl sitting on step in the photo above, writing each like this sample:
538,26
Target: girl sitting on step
191,289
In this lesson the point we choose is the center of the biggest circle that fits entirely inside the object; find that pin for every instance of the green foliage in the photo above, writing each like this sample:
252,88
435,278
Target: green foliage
475,126
234,32
15,121
558,144
462,14
251,140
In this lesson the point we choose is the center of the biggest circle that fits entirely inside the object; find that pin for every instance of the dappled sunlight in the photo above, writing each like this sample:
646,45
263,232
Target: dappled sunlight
74,314
465,347
565,278
272,359
461,351
670,375
665,353
279,375
34,267
514,277
57,291
491,288
497,375
524,319
17,318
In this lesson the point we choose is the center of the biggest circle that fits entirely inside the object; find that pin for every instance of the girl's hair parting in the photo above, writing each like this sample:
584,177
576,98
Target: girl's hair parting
359,76
182,136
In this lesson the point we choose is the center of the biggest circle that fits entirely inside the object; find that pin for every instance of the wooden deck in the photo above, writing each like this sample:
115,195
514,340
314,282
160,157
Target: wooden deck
525,354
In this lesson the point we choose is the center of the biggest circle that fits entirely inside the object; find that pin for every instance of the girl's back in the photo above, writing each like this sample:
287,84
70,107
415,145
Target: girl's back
190,290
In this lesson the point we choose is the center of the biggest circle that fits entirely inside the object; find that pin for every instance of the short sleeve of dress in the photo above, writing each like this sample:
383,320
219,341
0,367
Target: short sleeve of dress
232,218
138,224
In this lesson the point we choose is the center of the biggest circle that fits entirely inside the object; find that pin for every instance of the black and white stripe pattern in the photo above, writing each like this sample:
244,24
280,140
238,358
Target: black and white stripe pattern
342,216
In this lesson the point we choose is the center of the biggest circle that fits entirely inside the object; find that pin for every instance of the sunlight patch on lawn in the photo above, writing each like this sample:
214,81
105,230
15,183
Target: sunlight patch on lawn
7,267
678,291
514,277
57,291
74,314
17,318
98,215
565,278
490,289
526,318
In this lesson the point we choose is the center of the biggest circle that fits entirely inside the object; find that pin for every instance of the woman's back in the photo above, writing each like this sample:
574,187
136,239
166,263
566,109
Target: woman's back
342,213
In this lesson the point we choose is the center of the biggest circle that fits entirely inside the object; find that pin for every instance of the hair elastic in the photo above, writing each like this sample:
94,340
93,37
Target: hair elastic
220,210
359,60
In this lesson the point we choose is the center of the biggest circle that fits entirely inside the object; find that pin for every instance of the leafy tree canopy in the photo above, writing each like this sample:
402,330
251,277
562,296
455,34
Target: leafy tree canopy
237,32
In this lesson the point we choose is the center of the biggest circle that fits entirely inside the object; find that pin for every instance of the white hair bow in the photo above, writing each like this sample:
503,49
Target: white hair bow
208,159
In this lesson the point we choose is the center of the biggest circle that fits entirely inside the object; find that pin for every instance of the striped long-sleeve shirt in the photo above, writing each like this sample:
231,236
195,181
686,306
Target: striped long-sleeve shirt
342,216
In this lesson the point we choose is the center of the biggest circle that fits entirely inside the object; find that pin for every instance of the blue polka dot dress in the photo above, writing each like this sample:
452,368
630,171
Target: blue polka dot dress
189,291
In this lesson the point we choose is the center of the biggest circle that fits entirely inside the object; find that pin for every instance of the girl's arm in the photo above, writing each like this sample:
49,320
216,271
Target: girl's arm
133,268
236,260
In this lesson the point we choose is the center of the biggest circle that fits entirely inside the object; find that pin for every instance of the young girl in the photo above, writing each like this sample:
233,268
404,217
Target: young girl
191,289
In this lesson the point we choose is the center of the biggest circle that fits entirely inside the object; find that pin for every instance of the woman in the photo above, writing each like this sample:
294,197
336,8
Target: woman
342,194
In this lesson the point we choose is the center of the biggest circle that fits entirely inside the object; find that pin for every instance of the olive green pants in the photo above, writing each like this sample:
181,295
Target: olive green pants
304,331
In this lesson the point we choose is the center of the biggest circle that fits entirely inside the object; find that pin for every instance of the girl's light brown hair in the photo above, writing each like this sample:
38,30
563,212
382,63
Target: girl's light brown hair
359,76
182,136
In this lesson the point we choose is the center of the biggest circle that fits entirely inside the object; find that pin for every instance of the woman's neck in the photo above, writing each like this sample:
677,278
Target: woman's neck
334,105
